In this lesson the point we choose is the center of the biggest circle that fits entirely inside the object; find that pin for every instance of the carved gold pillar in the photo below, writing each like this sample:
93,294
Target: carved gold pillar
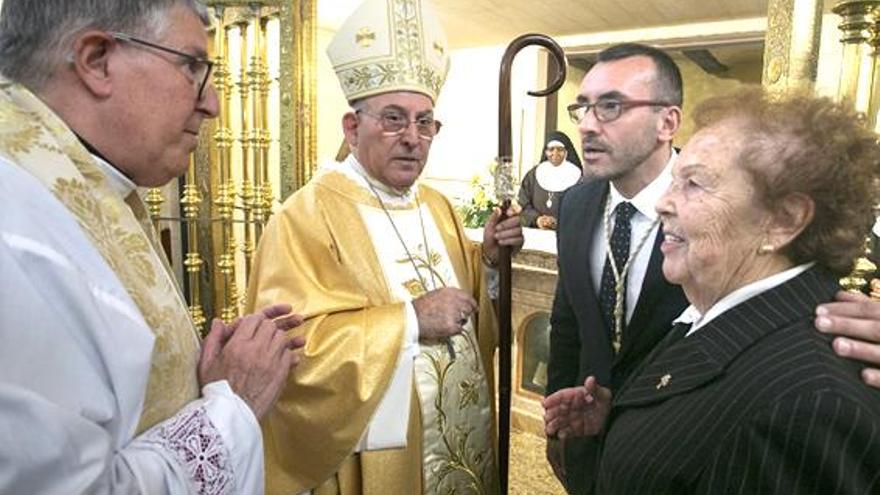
248,150
154,200
791,48
190,203
258,86
860,87
264,137
238,168
858,62
226,292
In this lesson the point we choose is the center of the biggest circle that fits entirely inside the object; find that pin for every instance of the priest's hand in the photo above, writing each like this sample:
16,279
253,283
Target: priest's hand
855,319
254,354
577,411
443,312
505,233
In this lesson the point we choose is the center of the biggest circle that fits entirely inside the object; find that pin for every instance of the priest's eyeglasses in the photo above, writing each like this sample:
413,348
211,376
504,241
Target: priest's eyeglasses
199,68
396,123
608,110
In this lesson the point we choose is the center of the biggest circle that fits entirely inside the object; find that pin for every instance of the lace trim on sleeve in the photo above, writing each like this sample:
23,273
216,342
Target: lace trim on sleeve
199,447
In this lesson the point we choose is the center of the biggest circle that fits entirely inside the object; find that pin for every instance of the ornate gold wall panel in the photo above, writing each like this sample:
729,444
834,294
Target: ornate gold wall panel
299,71
791,47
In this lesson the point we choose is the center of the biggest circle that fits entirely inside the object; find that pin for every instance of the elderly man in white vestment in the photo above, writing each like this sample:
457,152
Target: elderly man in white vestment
394,393
104,387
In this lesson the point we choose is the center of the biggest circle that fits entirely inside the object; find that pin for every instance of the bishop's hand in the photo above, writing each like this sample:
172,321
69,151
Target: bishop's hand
443,312
507,232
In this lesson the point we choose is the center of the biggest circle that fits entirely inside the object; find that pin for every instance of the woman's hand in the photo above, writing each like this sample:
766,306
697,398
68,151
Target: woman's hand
577,411
546,222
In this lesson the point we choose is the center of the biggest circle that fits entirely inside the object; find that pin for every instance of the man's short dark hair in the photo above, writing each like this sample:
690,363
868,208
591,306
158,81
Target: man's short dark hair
668,82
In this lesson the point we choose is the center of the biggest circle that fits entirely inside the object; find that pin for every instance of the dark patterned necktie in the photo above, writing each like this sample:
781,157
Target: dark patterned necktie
620,250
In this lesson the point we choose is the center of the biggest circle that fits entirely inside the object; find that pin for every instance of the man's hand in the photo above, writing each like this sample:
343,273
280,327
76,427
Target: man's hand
577,411
254,354
556,457
855,318
506,233
443,312
546,222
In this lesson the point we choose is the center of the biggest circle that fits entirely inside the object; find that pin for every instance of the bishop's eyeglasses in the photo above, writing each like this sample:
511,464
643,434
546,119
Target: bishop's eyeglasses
396,123
199,68
608,110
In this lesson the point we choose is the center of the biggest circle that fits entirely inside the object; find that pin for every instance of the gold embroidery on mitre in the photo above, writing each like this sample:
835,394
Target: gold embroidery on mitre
413,59
365,37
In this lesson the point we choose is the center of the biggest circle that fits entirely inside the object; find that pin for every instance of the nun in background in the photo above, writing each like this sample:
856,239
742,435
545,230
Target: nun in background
543,185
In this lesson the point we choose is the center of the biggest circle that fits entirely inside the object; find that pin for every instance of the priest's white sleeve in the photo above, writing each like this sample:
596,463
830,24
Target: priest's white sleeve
74,364
388,427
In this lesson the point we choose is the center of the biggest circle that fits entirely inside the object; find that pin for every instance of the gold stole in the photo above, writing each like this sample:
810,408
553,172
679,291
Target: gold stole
34,138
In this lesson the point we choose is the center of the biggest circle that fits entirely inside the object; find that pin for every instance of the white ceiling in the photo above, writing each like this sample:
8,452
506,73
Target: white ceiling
485,22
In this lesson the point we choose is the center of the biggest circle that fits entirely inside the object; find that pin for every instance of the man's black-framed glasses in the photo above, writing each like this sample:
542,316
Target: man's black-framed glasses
608,110
199,67
395,123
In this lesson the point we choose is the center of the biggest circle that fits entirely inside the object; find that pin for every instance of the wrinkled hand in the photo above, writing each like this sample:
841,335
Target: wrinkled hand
254,354
506,233
577,411
855,318
443,312
546,222
556,457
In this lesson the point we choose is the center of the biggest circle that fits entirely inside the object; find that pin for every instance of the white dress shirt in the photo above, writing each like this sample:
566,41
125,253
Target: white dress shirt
692,314
642,221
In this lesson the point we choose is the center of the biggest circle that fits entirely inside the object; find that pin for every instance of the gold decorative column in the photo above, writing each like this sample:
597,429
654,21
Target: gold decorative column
226,293
248,150
190,203
263,137
860,86
154,200
858,63
262,140
258,87
791,48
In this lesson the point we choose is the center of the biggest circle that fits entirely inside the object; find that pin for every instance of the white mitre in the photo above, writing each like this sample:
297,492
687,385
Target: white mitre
390,45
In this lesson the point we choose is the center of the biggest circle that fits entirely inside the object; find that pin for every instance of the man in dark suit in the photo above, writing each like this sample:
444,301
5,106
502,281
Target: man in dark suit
627,110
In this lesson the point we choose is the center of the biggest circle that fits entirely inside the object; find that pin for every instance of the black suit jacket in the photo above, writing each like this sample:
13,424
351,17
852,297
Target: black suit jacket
754,402
580,344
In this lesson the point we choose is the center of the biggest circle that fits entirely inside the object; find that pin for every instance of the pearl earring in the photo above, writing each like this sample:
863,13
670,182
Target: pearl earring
766,248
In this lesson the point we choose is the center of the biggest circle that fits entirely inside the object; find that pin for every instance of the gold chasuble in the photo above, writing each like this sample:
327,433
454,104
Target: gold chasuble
33,137
351,266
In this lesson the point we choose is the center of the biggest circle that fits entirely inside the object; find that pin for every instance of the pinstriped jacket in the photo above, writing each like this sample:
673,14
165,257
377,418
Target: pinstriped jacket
755,402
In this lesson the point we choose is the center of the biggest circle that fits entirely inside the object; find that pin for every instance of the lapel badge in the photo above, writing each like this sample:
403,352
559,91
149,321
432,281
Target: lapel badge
664,381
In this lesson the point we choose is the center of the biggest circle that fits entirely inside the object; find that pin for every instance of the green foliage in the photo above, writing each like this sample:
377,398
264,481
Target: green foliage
474,211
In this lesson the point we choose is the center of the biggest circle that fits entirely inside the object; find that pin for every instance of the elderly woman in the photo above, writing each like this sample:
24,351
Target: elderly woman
769,206
543,185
